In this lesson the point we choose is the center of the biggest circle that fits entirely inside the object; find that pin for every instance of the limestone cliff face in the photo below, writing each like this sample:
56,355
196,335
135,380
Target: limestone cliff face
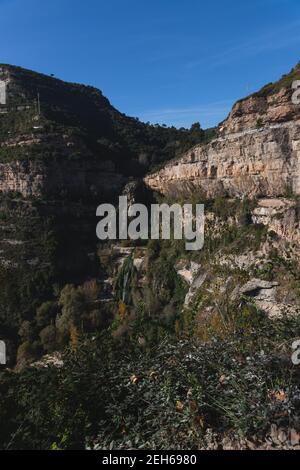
24,178
36,179
280,215
265,110
60,175
257,153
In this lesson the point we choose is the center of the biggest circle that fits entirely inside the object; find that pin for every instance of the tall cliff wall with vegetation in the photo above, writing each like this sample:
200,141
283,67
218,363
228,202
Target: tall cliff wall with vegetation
142,344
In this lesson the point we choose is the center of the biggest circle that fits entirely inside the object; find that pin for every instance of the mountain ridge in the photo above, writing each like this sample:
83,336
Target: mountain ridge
133,145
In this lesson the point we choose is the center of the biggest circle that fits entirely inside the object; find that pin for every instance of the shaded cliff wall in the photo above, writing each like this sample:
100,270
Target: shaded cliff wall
70,179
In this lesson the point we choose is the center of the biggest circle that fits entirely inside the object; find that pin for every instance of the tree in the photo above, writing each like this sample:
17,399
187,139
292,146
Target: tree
72,302
48,338
45,313
196,127
26,332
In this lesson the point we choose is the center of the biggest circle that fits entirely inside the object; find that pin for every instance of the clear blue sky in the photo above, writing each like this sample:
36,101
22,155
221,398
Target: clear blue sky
166,61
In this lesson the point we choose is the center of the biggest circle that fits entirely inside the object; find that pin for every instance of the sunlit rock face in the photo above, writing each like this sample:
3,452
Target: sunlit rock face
256,154
280,215
262,110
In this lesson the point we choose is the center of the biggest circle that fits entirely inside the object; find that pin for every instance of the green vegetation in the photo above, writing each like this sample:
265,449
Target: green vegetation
117,394
144,372
285,82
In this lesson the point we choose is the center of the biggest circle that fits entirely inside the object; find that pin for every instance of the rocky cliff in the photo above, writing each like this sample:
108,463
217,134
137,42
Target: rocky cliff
64,149
58,137
85,179
256,153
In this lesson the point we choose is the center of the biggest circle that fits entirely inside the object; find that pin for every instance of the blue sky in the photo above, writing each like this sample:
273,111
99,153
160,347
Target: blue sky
166,61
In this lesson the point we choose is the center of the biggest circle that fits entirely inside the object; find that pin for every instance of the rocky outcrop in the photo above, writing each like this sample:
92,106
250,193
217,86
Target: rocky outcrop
255,162
281,216
25,178
193,275
261,111
265,295
257,153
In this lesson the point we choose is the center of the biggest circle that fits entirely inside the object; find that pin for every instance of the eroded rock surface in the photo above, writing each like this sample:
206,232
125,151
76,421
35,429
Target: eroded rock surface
257,153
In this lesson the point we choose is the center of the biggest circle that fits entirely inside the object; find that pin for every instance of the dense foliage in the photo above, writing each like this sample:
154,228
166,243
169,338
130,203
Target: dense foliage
118,394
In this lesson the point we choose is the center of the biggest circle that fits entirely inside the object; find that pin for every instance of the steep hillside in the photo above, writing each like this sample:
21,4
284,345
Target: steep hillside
64,149
57,136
